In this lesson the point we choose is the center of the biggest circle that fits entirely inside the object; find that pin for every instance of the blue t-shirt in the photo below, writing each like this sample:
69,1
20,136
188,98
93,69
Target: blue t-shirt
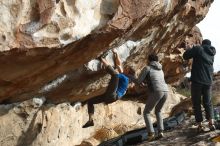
122,85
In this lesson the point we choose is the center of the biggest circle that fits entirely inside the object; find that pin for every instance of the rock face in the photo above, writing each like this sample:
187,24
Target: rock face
31,123
215,88
43,41
48,51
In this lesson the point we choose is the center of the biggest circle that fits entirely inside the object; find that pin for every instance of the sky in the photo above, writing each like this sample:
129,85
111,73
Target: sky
210,28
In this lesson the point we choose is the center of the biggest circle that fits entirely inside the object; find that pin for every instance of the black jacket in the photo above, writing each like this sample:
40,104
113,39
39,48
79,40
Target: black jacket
202,67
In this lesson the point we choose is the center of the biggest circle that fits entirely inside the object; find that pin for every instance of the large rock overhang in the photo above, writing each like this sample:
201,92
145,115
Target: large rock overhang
30,59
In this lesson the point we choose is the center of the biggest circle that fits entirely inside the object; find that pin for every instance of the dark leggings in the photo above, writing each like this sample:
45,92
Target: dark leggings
201,93
110,94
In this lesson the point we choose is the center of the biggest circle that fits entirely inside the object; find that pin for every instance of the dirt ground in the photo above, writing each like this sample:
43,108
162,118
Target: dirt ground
186,135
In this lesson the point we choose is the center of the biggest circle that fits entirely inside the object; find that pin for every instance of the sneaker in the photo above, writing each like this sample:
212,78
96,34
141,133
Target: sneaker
212,127
88,124
150,137
160,135
200,129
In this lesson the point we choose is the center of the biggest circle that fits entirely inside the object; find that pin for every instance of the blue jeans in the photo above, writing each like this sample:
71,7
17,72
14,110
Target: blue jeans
201,94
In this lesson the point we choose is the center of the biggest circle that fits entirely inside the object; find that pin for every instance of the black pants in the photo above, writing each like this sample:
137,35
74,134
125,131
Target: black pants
201,93
110,95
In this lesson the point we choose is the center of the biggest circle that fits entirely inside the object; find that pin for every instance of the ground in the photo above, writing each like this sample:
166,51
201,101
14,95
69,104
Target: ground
184,135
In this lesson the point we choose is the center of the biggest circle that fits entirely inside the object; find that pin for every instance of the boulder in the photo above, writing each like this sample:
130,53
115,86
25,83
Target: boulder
215,88
48,52
42,42
32,124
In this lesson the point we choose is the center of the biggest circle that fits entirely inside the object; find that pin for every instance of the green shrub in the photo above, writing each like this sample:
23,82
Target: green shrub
184,91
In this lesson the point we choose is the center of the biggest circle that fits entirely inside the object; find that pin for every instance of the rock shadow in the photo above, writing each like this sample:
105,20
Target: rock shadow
34,129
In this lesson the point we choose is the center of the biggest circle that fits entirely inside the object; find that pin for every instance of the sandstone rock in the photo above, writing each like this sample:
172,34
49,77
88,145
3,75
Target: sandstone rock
68,34
215,88
179,66
48,50
184,105
54,125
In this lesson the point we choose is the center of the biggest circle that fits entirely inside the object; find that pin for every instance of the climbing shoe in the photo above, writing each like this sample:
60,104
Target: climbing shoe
160,134
88,124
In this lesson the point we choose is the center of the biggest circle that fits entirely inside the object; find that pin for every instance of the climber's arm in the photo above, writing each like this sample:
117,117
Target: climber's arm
104,61
118,62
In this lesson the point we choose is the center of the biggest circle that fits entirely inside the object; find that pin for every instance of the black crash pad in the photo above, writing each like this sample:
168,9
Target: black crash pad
138,136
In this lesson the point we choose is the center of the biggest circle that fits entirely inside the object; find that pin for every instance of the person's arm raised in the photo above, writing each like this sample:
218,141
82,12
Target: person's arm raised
118,61
104,61
190,52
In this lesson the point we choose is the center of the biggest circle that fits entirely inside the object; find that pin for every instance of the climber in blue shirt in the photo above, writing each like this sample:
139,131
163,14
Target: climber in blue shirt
116,89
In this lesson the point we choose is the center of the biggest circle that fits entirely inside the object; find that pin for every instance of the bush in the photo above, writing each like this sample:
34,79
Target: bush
184,91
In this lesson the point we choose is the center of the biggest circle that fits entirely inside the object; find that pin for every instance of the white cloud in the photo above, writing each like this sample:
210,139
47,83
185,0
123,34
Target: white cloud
210,28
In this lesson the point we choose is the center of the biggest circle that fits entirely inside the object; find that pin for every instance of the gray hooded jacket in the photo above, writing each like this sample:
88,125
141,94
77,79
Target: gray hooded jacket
156,76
